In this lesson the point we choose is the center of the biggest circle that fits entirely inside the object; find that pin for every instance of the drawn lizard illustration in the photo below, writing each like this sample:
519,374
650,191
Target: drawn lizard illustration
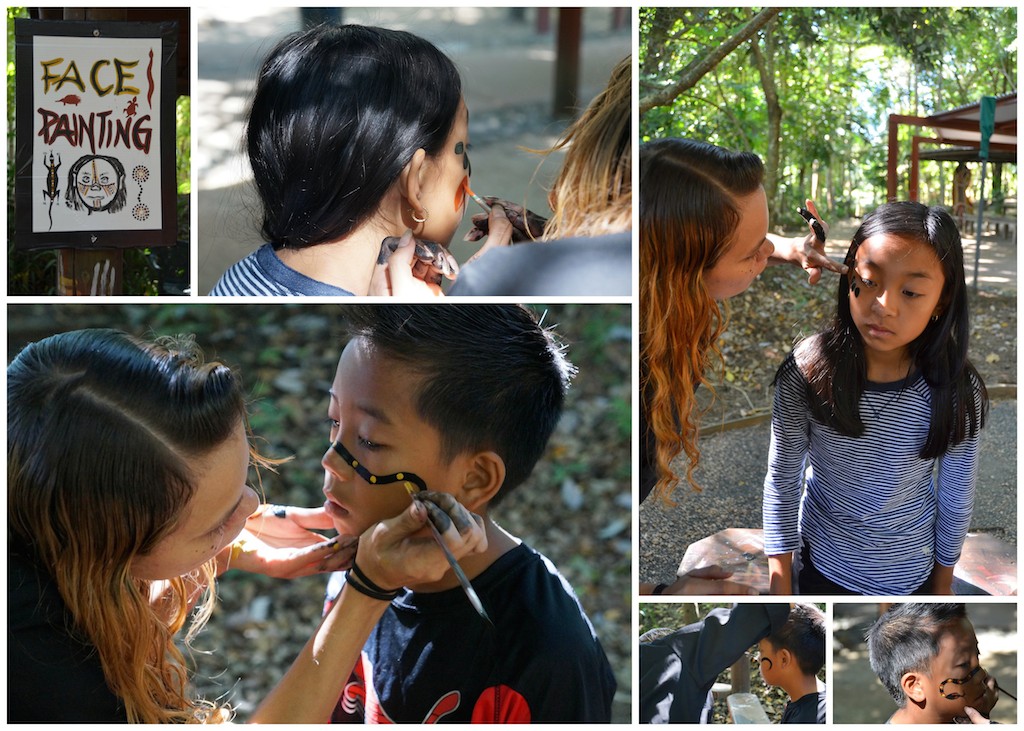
52,181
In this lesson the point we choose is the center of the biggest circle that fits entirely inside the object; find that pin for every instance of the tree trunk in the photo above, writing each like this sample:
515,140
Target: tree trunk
765,63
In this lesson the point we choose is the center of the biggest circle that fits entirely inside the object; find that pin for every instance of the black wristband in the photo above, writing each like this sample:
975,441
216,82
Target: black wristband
366,591
659,588
365,580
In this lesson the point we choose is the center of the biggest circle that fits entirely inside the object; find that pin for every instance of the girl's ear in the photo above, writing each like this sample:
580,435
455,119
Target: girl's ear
912,688
410,187
484,476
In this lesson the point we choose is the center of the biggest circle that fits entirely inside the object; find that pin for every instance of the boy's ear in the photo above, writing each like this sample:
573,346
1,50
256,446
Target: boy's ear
485,474
912,687
785,658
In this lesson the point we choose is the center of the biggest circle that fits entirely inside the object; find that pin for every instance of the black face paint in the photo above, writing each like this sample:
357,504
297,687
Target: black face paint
463,149
412,483
853,286
767,660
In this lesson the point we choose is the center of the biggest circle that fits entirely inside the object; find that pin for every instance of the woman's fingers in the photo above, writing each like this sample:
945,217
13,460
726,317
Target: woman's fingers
396,275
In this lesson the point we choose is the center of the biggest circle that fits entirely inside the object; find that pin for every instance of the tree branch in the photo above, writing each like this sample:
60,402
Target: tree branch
695,70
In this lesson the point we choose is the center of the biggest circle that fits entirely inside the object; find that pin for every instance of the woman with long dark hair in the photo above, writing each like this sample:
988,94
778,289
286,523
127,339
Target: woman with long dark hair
355,134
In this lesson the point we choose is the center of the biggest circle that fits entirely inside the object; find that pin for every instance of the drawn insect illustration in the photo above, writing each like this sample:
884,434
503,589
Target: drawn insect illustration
70,99
52,181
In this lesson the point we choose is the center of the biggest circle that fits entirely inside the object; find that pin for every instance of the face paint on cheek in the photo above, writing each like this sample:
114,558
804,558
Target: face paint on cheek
854,288
460,194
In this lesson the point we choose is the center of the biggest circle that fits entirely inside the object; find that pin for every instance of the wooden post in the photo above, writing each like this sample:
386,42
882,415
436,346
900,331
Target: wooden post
90,272
894,153
94,272
543,24
739,675
567,62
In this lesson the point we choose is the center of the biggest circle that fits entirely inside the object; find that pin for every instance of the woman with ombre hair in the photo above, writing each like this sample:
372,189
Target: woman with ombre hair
703,239
127,466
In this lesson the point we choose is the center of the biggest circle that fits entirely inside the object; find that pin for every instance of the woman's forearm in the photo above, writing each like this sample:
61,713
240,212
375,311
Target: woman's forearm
310,689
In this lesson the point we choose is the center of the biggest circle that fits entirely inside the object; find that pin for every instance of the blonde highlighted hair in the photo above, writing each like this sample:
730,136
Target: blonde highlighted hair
688,214
593,195
102,432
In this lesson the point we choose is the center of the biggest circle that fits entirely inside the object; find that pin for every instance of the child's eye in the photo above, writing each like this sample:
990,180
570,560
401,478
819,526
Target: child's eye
910,294
867,282
333,423
367,444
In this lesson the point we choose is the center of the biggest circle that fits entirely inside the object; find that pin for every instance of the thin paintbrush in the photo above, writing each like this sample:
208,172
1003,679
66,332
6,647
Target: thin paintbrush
460,574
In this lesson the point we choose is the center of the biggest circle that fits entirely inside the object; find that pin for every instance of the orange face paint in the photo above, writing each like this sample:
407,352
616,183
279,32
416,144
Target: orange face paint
461,192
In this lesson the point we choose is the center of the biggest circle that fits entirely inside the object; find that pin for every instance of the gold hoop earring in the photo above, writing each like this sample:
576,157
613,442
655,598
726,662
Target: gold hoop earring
426,215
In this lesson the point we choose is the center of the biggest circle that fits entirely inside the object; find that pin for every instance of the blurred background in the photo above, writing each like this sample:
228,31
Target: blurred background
574,508
507,58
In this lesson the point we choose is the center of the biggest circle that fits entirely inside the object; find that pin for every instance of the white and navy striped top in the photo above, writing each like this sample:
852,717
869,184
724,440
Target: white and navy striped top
873,513
262,273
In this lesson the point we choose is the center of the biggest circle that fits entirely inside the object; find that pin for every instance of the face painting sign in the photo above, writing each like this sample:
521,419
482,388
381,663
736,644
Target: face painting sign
95,134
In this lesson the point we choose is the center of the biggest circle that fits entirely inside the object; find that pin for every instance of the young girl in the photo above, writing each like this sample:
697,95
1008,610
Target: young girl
355,134
874,403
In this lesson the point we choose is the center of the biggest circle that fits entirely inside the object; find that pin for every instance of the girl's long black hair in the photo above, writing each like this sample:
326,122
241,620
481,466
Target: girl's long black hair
834,365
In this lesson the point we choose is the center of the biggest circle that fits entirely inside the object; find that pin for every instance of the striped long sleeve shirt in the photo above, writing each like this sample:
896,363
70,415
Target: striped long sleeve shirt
262,273
874,514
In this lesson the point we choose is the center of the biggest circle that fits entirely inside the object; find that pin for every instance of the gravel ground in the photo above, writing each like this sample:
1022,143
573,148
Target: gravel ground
575,508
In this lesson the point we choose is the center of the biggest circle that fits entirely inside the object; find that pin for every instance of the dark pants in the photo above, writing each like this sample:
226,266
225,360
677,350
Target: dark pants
812,581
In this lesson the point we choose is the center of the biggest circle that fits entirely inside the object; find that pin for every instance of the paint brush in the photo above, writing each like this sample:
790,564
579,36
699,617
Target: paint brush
1006,692
480,201
460,574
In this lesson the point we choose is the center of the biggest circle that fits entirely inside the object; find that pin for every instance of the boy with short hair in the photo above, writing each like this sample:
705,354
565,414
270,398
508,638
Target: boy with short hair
926,655
460,399
791,657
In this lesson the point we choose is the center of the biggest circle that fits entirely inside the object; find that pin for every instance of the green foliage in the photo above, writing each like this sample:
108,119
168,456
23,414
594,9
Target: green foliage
839,73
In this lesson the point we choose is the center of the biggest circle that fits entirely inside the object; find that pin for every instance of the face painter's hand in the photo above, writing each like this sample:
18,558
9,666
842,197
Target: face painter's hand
526,225
975,716
396,277
398,552
709,580
808,254
500,229
251,554
286,526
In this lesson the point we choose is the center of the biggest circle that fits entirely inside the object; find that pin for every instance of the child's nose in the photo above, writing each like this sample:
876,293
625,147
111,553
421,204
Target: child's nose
884,301
333,463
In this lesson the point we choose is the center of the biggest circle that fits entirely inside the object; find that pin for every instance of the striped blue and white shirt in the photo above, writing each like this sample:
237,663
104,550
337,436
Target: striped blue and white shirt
874,514
262,273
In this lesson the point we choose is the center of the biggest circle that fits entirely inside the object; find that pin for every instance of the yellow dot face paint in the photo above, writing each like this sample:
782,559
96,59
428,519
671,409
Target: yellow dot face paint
412,483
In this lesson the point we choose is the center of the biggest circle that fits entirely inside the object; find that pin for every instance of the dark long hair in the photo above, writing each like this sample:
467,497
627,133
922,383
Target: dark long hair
834,363
103,433
688,214
338,112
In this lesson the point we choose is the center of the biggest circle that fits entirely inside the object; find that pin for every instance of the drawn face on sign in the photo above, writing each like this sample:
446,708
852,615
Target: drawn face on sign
96,183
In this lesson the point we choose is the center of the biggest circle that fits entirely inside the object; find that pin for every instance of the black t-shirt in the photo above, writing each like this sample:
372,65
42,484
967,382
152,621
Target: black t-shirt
431,658
806,709
52,675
